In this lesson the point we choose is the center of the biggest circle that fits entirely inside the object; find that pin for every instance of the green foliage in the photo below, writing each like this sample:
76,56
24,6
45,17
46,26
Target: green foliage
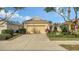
61,35
8,31
49,9
54,34
13,9
65,29
17,31
5,36
18,8
2,37
22,31
77,8
55,29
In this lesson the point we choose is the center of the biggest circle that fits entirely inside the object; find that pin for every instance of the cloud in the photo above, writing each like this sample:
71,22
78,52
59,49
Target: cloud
15,17
27,17
2,13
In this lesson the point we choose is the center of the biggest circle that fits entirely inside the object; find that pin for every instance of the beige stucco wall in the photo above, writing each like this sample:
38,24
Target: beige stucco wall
40,28
14,27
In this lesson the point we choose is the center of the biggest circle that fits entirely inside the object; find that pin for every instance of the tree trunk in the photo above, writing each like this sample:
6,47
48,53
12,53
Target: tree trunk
75,11
68,13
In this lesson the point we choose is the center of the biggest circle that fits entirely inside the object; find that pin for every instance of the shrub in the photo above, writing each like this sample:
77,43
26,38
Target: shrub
5,36
17,31
22,31
55,29
8,31
47,30
65,29
2,37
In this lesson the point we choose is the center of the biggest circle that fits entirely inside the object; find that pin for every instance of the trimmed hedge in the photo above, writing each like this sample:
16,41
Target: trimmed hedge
21,31
8,31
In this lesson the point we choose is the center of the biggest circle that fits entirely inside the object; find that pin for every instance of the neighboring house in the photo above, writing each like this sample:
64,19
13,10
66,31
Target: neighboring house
8,25
73,24
3,26
36,25
14,26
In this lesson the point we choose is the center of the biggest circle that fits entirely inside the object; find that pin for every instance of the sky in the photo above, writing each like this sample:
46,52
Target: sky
30,12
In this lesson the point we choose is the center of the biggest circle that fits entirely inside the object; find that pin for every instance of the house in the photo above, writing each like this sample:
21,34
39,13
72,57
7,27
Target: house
14,26
73,24
36,25
3,25
8,25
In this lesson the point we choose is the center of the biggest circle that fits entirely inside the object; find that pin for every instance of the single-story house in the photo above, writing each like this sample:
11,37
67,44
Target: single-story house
2,26
7,25
73,24
36,25
14,26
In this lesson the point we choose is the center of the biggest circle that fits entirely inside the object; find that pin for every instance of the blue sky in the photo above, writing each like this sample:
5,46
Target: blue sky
39,11
30,12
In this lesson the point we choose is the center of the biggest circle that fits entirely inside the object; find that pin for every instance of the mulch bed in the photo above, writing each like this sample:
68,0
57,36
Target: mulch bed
71,47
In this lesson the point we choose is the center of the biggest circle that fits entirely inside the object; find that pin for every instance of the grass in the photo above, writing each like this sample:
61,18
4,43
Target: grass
71,47
61,37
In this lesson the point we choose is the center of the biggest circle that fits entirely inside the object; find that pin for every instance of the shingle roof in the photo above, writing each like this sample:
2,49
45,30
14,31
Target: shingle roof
36,21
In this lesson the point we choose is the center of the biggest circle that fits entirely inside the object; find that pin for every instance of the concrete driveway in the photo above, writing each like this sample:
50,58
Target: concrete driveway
31,42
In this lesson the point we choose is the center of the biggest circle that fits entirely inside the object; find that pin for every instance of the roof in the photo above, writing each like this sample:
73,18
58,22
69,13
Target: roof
36,20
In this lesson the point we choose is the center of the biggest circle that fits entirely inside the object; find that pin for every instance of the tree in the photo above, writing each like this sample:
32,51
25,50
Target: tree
69,10
76,9
60,11
6,9
50,25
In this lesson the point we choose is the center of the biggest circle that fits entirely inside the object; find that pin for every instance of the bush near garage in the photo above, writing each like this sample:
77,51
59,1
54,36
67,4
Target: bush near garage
22,31
5,36
8,31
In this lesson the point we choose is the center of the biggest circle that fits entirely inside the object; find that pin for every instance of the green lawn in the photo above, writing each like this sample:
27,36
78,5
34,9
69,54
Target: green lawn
61,37
71,47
